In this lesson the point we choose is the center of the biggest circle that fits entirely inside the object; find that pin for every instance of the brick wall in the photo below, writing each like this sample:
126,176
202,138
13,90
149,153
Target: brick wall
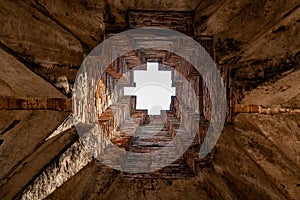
275,109
59,104
179,21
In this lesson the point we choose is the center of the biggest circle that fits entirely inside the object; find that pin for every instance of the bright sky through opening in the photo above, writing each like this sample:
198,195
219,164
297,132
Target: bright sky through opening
153,89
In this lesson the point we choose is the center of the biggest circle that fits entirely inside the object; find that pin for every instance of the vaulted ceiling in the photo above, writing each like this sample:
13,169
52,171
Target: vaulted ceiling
43,43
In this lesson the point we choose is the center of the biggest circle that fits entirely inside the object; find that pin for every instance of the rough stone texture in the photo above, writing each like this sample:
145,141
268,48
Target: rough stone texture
179,5
275,109
262,142
69,163
36,162
27,85
284,92
74,157
83,19
66,30
249,162
22,24
255,38
179,21
92,181
256,158
59,104
23,134
80,25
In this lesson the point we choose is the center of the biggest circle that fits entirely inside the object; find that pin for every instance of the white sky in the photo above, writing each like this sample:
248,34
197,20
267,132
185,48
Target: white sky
153,89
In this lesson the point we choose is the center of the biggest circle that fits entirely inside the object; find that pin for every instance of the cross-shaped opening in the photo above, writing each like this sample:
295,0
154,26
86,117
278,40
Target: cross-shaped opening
153,89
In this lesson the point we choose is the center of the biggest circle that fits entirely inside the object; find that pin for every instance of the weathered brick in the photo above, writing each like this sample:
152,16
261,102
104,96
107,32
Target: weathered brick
3,103
254,108
12,104
60,104
32,103
182,21
22,103
69,105
51,104
238,108
42,103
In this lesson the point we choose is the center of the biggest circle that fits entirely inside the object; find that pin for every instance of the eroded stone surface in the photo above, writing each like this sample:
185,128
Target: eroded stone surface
27,85
257,158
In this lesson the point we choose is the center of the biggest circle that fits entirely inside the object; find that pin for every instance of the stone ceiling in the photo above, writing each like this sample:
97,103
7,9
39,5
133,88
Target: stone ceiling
258,157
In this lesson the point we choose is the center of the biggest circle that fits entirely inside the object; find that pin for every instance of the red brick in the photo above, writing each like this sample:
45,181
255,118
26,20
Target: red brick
60,104
51,104
3,103
32,104
22,103
42,103
254,109
12,104
69,105
238,108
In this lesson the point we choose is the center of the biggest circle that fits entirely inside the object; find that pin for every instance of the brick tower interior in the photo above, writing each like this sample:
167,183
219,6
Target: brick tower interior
253,44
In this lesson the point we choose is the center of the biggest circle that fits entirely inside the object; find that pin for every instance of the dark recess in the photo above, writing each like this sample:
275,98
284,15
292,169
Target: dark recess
11,126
